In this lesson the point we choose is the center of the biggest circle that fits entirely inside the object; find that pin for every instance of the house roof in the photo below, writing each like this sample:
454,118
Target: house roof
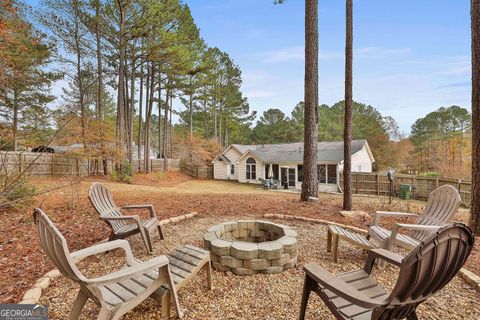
293,152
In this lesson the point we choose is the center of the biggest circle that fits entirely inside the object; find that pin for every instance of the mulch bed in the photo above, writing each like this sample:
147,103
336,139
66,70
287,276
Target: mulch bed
258,296
22,261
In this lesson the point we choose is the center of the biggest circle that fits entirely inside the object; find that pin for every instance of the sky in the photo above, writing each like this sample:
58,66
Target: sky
410,57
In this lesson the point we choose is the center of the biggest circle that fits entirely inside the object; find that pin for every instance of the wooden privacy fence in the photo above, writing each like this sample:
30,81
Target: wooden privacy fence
57,165
42,164
156,164
197,172
378,184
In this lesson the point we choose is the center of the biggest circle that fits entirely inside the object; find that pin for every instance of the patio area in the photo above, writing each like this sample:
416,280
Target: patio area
259,296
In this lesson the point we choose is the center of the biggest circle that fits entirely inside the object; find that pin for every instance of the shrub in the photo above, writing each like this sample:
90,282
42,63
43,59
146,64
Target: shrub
429,174
124,173
17,194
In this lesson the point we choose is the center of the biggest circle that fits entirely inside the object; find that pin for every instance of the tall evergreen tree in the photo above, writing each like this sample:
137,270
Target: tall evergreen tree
310,183
475,205
347,133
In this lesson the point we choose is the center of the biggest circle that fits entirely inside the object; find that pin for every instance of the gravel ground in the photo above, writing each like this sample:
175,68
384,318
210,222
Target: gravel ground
258,296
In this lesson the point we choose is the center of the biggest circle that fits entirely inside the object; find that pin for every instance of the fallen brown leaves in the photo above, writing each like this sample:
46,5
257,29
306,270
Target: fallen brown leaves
22,261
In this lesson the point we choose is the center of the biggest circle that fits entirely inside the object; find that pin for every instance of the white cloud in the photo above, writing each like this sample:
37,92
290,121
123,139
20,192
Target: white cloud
293,53
380,52
455,66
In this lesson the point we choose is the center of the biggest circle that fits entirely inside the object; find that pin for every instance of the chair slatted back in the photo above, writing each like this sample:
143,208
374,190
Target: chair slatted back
102,200
428,268
55,246
442,204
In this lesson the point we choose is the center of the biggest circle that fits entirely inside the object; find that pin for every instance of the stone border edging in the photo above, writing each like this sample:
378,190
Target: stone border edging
472,279
33,295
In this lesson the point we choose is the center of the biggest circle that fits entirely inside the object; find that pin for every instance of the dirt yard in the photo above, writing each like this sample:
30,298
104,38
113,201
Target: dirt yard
172,194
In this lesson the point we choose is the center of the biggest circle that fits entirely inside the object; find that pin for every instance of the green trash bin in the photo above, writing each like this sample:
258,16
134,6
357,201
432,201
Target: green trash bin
405,191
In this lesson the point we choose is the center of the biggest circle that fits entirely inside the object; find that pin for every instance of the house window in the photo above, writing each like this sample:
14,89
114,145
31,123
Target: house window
251,169
359,168
321,173
299,173
232,169
332,173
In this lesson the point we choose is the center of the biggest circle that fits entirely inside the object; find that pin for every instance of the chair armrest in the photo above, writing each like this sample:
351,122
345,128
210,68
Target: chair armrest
419,227
132,217
383,254
340,287
378,214
141,206
128,272
79,255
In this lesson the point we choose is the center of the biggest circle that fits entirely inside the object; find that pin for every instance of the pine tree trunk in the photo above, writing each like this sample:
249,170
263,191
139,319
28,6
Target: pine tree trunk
148,124
120,123
132,106
79,76
347,134
100,88
165,119
170,128
159,114
147,132
140,116
475,205
310,184
15,120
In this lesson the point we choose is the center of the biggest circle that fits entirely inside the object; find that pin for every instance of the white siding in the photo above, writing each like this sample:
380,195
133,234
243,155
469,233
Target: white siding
361,161
232,154
242,171
219,170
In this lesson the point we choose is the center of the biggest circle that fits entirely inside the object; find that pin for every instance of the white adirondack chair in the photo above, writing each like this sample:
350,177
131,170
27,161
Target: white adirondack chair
442,204
115,293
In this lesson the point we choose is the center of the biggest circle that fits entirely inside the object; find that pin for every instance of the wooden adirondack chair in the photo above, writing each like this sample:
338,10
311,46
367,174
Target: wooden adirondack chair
102,200
425,270
115,293
442,204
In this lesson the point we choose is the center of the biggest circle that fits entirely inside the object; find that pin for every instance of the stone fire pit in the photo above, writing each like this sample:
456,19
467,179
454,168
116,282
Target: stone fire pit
249,246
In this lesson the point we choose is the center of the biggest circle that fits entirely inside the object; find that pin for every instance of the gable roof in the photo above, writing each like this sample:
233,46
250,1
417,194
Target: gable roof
293,152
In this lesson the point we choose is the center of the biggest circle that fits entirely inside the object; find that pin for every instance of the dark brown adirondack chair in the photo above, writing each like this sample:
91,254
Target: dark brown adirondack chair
102,200
424,271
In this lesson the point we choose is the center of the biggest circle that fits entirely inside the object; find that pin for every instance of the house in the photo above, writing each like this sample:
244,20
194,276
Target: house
250,163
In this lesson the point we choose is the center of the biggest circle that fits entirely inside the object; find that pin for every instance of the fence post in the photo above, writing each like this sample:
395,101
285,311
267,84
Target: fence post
356,182
20,162
78,167
378,184
51,164
436,182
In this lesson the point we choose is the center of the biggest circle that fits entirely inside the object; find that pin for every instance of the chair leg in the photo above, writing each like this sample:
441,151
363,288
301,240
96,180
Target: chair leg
160,232
77,308
145,240
329,240
208,266
166,298
412,315
335,247
174,295
105,314
307,289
